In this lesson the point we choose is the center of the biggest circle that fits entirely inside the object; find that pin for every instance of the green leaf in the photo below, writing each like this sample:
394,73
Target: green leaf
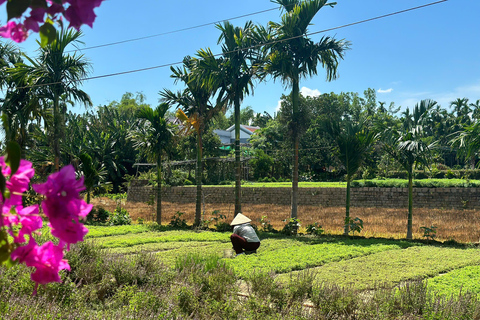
14,154
47,34
15,8
39,4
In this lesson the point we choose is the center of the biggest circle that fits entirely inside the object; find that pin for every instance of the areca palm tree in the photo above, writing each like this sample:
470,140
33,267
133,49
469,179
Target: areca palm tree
354,140
409,147
462,110
195,104
19,104
155,139
292,56
56,76
233,73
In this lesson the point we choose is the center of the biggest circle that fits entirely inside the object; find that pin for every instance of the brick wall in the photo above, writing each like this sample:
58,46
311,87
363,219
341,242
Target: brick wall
457,198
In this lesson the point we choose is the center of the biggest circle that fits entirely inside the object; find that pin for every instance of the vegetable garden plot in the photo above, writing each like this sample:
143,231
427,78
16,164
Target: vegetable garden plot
389,268
457,281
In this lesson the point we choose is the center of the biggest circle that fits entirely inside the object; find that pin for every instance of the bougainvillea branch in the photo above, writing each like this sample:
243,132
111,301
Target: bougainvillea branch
40,15
63,207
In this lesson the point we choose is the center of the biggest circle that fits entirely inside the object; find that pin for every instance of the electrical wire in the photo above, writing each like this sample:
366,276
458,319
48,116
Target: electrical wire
173,31
252,47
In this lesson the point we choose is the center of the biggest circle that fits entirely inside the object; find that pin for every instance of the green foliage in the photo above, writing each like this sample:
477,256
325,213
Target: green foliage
390,267
291,227
314,229
218,220
375,282
178,178
354,224
177,222
261,164
456,282
423,183
266,225
429,232
120,217
107,231
98,215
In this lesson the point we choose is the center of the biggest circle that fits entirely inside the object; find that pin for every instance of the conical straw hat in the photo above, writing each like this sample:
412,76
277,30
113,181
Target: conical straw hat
240,219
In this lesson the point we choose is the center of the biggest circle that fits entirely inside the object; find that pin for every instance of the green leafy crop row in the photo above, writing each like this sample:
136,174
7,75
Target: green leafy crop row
389,268
457,281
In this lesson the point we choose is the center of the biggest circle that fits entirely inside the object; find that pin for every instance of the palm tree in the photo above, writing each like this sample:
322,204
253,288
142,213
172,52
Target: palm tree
462,110
56,76
19,104
354,140
409,147
197,109
93,173
292,55
233,73
155,139
475,107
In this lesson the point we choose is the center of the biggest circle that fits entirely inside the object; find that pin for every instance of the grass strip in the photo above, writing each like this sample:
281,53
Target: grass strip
389,268
107,231
160,247
129,240
457,281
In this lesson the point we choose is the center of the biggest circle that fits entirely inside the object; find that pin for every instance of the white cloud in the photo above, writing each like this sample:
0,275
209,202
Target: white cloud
307,92
471,92
279,105
384,91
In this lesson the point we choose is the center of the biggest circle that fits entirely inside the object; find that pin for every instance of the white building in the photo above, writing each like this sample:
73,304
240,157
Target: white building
228,136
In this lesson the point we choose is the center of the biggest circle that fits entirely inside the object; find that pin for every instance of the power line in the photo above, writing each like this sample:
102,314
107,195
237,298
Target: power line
252,47
173,31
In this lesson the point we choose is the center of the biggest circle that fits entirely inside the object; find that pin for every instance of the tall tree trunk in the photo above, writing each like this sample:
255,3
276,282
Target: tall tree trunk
198,178
410,205
159,188
238,163
56,132
347,208
296,138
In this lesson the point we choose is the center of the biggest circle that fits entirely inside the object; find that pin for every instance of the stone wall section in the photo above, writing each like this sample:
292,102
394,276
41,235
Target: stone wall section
446,198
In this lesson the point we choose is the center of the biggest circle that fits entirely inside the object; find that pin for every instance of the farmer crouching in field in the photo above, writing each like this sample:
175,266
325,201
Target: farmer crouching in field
244,239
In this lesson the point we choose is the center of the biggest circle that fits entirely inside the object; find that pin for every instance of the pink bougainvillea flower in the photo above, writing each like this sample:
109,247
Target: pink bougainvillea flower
49,263
16,184
63,205
19,182
61,184
47,259
68,231
30,222
19,33
26,254
6,30
81,12
35,19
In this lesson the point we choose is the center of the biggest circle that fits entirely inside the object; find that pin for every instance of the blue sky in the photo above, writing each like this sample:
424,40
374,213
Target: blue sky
432,52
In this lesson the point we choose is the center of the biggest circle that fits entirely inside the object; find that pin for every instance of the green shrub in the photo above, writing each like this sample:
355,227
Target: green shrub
177,178
314,229
291,227
120,217
98,215
177,222
266,225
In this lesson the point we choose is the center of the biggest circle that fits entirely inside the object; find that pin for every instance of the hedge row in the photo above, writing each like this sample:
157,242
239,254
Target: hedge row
437,174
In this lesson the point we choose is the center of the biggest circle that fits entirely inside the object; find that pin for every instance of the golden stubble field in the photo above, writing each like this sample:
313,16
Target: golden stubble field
460,225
